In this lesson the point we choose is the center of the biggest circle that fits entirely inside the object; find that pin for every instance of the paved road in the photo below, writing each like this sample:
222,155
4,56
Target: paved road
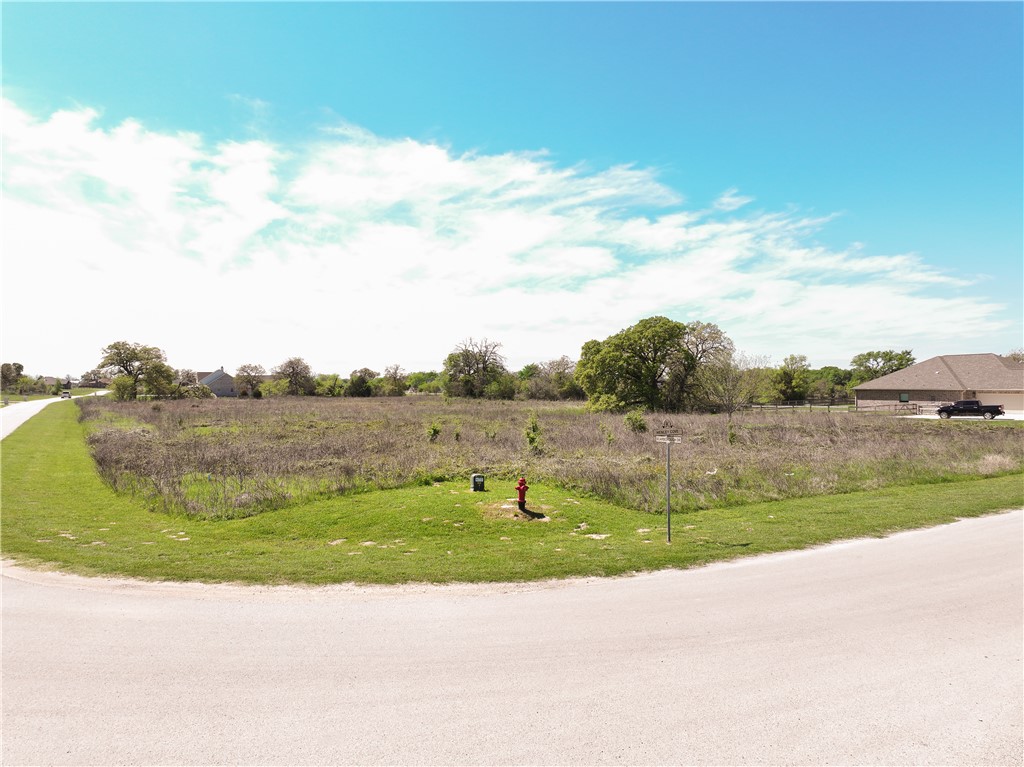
14,415
905,650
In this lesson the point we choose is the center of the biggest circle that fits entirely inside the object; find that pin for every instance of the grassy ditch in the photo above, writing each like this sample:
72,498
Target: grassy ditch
58,511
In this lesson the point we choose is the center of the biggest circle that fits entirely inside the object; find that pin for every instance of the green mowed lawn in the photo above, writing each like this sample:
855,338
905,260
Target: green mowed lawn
57,512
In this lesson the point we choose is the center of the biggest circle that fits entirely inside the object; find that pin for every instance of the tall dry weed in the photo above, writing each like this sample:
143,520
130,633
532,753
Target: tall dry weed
226,458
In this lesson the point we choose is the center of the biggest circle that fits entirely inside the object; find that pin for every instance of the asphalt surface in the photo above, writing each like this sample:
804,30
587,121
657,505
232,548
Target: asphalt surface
904,650
14,415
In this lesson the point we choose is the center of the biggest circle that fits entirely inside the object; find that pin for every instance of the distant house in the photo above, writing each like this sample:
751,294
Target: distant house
220,383
990,378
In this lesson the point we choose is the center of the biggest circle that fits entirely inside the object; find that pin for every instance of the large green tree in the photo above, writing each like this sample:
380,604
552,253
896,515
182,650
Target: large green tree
828,382
359,383
475,369
248,377
650,365
10,372
792,378
871,365
134,364
393,384
297,375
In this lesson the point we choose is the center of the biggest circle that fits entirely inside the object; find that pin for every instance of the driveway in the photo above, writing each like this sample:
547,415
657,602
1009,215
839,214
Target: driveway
904,650
1010,415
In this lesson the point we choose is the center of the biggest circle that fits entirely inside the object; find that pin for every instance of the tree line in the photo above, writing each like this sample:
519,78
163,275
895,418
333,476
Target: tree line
658,364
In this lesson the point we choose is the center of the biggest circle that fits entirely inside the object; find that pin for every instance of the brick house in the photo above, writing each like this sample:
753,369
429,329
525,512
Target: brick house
220,383
990,378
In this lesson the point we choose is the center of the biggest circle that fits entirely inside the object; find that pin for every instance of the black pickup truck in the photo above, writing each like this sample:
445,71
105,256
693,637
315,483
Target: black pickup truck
971,407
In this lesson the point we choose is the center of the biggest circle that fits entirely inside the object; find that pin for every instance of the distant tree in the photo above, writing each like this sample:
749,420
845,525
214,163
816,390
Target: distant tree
424,382
1017,355
359,383
10,372
871,365
91,378
561,374
135,361
160,380
393,383
650,365
828,382
791,379
503,386
528,371
703,342
187,386
249,377
552,380
298,375
329,385
730,381
276,387
473,366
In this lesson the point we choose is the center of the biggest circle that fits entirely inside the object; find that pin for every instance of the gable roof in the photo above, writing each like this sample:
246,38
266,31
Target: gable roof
955,372
208,378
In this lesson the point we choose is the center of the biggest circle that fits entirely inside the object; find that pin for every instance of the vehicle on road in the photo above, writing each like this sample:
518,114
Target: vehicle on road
970,407
65,394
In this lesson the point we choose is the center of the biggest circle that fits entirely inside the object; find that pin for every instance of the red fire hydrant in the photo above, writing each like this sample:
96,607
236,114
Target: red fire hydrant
521,488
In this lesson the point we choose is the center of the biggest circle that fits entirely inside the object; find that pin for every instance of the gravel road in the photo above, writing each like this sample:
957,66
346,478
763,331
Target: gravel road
905,650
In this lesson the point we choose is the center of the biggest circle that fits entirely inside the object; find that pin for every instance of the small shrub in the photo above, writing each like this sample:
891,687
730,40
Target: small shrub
533,438
433,431
636,422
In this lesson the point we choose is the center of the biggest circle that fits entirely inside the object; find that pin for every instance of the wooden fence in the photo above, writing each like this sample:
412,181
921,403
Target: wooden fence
896,408
804,404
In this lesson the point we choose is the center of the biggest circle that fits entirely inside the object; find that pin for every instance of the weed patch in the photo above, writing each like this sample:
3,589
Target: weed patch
58,510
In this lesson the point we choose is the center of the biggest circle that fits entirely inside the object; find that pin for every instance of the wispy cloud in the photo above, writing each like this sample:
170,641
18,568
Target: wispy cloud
353,249
731,199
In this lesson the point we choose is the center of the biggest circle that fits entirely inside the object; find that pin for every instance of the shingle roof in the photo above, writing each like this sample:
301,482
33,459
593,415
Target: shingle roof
955,372
216,375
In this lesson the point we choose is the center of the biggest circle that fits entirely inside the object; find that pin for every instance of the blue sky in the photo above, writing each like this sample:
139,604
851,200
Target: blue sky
368,184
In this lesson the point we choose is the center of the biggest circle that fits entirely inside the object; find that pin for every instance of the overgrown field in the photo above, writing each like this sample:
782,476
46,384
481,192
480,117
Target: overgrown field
58,512
236,458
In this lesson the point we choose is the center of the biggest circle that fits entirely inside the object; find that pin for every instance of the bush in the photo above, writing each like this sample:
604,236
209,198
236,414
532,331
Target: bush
123,388
533,438
636,422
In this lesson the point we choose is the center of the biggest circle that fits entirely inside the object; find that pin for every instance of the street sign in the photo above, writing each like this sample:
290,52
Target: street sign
669,437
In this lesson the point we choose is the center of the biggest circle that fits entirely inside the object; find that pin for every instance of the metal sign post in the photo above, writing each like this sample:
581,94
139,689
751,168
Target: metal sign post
668,437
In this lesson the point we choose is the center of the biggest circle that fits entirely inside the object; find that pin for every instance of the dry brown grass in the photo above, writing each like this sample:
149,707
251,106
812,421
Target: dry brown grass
227,458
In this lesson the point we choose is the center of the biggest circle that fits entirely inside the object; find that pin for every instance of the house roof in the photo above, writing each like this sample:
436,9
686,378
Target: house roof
954,372
208,378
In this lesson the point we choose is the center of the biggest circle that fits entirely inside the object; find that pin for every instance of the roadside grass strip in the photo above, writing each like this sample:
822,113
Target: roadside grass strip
58,513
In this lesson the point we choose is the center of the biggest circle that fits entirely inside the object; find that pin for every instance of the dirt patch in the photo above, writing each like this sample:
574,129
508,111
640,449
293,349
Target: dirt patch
509,510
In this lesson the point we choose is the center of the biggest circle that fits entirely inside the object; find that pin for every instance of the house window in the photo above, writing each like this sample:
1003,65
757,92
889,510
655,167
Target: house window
904,396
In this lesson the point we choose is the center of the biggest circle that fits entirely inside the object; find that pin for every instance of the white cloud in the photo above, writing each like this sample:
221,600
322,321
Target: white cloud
731,199
355,250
